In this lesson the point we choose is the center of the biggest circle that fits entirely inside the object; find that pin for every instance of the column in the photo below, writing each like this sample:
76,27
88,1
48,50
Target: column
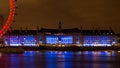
43,39
37,39
74,38
81,39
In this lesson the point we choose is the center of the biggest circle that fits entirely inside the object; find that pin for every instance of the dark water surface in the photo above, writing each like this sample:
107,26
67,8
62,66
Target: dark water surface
61,59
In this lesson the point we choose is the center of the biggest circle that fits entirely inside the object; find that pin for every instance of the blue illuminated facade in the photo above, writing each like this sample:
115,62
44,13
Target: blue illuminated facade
52,39
98,41
66,39
59,39
60,36
20,40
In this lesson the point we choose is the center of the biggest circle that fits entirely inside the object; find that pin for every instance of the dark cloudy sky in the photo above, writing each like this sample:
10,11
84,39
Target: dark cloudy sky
72,13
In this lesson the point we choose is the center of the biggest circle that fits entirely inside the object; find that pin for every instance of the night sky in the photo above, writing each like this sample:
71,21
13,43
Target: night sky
73,13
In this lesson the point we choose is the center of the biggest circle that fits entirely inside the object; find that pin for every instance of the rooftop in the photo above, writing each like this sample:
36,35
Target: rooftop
73,30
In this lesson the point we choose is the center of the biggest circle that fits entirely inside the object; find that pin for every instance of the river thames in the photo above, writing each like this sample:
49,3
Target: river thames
61,59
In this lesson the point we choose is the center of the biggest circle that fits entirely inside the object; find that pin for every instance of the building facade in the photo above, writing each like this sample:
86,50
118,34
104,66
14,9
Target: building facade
60,36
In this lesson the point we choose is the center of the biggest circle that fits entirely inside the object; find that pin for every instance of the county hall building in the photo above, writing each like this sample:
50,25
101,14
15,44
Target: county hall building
46,36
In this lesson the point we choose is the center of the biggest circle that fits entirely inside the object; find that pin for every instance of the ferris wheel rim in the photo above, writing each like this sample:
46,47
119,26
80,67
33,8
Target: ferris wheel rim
11,16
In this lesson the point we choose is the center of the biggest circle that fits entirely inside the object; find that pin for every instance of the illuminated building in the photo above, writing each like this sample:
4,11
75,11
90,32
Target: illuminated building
60,36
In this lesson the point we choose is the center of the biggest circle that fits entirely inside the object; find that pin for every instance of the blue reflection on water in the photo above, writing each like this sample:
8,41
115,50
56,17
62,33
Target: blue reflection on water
51,59
60,59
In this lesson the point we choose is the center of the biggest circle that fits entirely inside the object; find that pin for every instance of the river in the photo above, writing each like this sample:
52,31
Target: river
61,59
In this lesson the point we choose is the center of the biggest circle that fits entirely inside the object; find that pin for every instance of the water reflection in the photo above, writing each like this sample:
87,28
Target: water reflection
61,59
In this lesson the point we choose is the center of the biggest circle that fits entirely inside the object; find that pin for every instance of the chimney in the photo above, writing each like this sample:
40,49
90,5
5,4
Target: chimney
59,25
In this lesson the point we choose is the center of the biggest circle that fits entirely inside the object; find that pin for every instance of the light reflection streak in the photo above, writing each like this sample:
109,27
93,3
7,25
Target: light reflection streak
0,55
